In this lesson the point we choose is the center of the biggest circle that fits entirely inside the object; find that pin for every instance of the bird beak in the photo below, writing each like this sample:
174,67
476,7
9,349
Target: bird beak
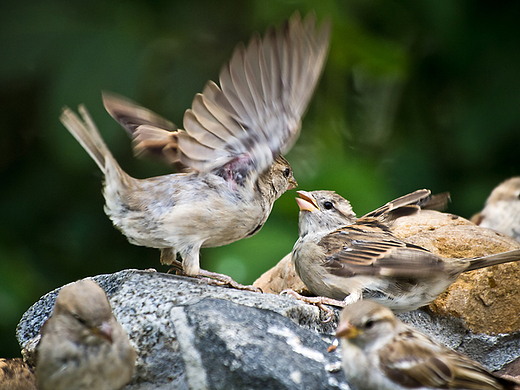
104,331
292,184
306,202
348,331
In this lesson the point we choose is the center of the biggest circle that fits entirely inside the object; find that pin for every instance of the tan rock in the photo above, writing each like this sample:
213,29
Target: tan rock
281,277
488,300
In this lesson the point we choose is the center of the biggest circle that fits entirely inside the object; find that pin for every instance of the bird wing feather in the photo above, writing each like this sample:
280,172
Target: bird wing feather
413,363
368,248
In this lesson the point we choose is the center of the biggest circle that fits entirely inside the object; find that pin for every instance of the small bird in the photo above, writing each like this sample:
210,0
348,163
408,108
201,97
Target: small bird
502,209
82,346
380,352
365,260
231,147
16,375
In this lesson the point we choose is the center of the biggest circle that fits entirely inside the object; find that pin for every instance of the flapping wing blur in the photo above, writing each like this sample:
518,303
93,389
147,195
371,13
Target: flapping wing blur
151,133
264,91
253,116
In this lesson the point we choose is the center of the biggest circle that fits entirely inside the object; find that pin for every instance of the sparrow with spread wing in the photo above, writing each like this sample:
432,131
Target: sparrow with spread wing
83,346
380,352
365,260
232,144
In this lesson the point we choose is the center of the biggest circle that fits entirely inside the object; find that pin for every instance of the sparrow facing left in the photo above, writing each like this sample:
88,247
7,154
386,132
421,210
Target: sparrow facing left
232,143
83,347
380,352
365,260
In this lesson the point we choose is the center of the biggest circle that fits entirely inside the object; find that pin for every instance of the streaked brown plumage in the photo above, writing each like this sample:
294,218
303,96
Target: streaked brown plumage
83,347
380,352
16,375
364,259
232,144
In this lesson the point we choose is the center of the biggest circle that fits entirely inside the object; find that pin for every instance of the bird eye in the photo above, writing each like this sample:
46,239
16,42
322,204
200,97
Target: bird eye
369,324
79,319
287,172
328,205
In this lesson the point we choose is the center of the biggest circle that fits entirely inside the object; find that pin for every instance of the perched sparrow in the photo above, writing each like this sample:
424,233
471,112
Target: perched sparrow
365,260
16,375
502,210
83,346
380,352
232,144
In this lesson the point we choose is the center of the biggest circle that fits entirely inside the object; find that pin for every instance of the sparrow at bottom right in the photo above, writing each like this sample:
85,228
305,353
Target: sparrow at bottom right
381,352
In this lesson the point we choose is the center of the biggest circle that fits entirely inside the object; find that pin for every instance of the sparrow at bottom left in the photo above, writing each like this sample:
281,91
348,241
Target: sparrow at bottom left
83,346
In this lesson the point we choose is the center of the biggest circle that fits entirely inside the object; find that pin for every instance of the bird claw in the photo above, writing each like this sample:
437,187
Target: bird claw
212,278
224,280
320,302
177,268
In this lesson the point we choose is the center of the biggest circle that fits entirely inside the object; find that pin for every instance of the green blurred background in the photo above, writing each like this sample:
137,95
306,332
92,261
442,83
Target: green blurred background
415,94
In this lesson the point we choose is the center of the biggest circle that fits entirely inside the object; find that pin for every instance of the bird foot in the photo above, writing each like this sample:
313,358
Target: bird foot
176,268
212,278
224,280
317,301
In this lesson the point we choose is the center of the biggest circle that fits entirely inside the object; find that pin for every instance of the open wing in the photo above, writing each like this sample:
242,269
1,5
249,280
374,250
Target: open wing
264,91
253,116
151,133
409,204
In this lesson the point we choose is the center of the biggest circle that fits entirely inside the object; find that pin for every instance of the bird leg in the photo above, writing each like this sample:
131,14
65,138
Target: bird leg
317,301
190,267
354,296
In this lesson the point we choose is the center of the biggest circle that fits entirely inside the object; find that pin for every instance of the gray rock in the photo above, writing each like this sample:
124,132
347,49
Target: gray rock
493,351
193,336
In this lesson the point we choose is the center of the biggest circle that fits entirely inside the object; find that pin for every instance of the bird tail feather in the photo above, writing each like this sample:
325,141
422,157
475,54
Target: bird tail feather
499,258
86,133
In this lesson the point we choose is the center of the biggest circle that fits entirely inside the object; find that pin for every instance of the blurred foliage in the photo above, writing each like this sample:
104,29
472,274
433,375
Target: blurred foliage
415,94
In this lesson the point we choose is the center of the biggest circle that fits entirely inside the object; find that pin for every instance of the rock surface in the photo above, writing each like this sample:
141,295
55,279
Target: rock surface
194,336
487,300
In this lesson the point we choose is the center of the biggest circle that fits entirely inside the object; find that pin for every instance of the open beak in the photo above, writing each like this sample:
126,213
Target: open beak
104,331
306,202
348,331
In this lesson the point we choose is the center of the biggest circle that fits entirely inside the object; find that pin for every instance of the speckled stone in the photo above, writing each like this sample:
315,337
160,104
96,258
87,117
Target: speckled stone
193,336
